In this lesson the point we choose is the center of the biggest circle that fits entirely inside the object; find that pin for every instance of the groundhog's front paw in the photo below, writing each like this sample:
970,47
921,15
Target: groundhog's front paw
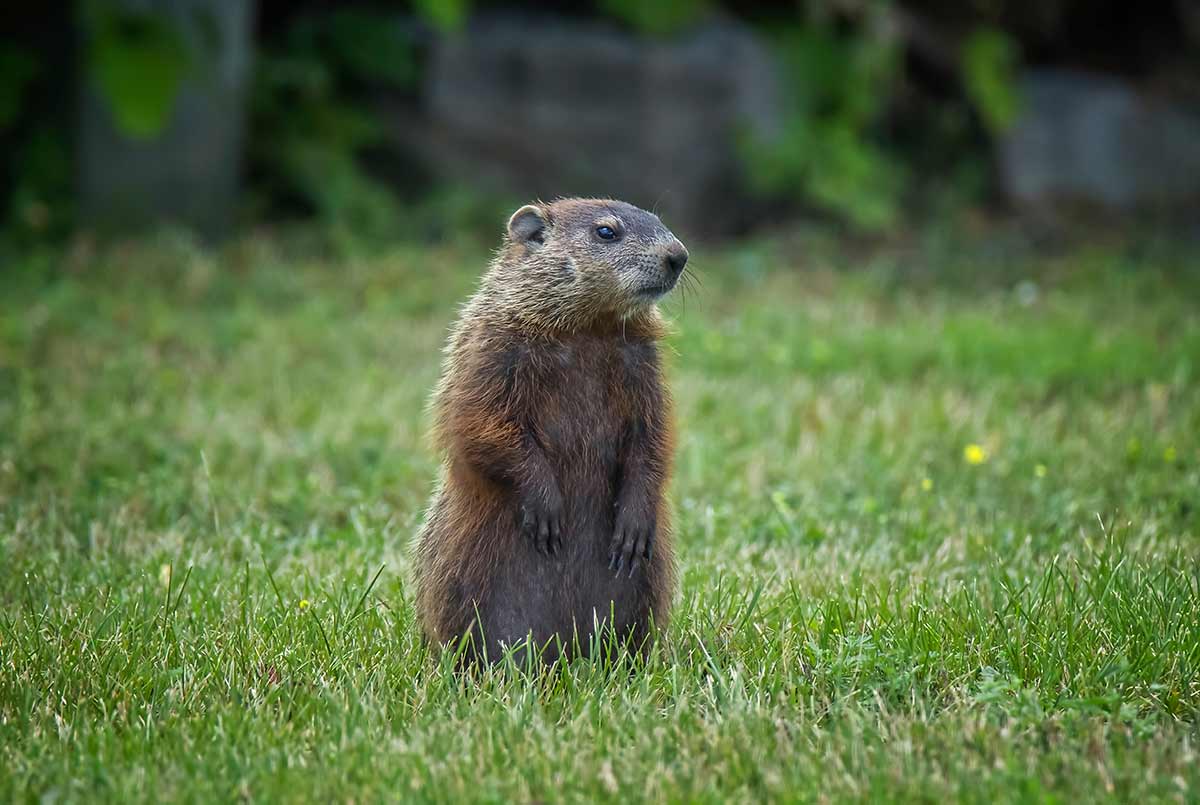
541,520
632,542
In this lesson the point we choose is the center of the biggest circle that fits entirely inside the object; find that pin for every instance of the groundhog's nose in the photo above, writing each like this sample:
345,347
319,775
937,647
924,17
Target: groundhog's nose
677,256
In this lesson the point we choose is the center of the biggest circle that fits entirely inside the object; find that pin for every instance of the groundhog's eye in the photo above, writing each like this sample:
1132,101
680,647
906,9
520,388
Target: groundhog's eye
606,233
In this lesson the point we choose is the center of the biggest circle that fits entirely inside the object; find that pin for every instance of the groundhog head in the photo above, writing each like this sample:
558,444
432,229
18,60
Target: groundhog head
598,255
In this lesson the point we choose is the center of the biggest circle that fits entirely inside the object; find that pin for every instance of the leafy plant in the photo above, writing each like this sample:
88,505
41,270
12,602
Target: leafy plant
358,44
657,18
444,15
310,126
137,60
18,67
825,154
37,203
989,64
34,204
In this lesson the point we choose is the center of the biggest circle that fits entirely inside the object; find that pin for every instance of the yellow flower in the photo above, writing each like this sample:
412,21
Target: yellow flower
304,604
974,454
1040,470
926,484
164,575
1169,455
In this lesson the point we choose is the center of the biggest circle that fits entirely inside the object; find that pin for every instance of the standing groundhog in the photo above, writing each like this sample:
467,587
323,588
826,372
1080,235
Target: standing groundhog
550,517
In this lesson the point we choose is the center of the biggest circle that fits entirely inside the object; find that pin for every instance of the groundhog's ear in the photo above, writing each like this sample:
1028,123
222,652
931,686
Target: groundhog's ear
528,226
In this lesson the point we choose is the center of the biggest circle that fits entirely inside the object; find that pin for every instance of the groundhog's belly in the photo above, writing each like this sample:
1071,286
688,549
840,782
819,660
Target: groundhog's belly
567,594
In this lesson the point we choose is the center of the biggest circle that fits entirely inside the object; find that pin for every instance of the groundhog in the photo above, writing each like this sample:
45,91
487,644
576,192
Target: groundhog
549,521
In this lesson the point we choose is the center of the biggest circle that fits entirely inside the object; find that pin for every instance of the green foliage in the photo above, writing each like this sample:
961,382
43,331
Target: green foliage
190,538
825,155
35,205
989,68
310,126
39,199
457,213
357,44
137,60
657,18
444,15
18,67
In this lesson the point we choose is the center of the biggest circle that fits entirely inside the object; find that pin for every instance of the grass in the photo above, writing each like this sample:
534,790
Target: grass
211,465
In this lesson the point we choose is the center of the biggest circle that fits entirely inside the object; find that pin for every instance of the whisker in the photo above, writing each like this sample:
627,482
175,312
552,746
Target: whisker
687,288
657,201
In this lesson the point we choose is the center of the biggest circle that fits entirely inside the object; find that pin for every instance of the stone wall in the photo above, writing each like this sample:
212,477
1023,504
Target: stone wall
189,172
542,107
1096,140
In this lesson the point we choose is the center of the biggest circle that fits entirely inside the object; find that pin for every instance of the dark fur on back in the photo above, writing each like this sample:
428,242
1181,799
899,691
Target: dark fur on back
556,432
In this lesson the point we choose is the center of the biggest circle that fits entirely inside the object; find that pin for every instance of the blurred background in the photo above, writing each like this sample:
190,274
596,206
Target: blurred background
422,119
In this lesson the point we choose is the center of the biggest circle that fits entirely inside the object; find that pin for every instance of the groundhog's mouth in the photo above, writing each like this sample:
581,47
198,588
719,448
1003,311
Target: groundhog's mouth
655,291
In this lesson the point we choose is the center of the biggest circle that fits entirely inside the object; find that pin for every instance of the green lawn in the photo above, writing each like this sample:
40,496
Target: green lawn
938,520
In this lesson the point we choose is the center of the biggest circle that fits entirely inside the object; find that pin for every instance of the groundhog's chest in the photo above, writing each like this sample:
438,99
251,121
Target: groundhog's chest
589,396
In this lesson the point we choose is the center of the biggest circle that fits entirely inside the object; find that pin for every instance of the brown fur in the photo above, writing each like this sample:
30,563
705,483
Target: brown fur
556,431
